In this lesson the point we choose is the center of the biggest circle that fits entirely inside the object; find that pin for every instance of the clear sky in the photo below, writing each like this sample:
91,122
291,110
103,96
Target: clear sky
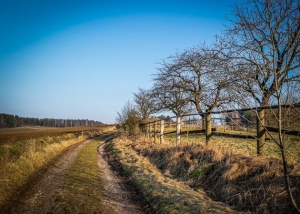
83,59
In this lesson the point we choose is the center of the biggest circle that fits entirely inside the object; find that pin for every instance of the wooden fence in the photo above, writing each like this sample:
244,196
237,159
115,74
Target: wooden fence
243,119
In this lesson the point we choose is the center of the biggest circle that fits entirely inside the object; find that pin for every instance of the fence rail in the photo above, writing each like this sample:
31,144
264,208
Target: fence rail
243,123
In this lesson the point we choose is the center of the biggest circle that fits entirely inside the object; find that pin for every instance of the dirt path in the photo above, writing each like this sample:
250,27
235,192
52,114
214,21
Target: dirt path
43,196
117,199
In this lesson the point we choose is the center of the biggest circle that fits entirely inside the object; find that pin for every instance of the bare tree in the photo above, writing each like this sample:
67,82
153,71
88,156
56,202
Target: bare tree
144,103
200,73
265,35
169,97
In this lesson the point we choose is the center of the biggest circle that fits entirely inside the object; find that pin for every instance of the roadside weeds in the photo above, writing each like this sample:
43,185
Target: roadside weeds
163,194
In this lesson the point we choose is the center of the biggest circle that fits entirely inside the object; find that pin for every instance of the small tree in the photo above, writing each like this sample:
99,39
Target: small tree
169,97
129,119
144,103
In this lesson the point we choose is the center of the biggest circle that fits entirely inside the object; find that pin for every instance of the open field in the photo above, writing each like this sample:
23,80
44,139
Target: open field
245,146
25,128
31,132
238,140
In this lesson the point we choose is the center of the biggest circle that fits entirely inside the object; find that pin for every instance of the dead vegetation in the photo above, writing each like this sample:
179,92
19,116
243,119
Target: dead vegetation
22,162
162,193
186,176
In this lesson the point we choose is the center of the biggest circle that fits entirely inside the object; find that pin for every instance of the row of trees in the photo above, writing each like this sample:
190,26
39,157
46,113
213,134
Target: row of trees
254,64
8,120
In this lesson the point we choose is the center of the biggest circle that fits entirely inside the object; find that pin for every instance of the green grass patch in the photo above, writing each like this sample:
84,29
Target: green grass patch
243,146
81,189
200,172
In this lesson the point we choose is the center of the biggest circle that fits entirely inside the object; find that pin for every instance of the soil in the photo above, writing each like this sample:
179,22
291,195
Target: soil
42,197
117,197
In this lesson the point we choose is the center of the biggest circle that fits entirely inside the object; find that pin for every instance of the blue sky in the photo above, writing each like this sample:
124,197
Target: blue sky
83,59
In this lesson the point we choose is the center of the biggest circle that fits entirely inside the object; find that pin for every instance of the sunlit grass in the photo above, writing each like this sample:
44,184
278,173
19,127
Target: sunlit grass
228,169
163,194
21,161
82,184
245,146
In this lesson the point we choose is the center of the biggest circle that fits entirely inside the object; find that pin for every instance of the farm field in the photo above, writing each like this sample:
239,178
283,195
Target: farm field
25,128
238,140
31,132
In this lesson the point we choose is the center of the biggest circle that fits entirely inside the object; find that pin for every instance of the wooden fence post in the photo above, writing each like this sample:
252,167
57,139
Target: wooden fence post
145,130
260,132
149,128
155,132
162,127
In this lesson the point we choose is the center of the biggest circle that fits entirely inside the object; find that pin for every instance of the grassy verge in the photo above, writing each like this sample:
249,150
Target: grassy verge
22,162
226,172
163,194
82,184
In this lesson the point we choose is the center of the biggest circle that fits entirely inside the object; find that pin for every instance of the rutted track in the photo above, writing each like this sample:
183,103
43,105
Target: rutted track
117,199
43,196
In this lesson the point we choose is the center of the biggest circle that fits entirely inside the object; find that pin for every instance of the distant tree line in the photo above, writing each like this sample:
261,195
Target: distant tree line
10,121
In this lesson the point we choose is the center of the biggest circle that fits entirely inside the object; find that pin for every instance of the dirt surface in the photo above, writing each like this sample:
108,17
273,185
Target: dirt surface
117,199
43,196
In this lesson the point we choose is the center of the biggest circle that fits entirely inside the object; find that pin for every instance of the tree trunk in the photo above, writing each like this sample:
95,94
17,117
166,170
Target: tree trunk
208,132
261,132
178,130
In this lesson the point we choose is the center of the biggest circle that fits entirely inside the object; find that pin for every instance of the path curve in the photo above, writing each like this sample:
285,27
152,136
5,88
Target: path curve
42,197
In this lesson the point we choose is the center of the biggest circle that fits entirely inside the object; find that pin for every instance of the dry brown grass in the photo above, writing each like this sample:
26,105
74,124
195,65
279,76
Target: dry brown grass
161,192
22,160
233,176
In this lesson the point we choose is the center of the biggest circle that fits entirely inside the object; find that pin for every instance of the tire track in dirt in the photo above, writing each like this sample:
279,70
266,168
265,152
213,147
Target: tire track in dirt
44,195
117,199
